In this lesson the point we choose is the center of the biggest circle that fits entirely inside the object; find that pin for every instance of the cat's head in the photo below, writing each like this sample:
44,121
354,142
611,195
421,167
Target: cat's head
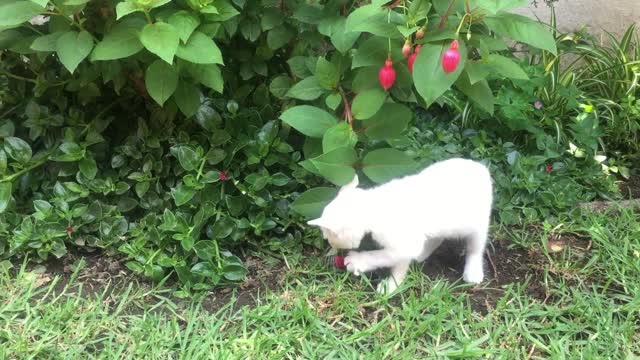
339,223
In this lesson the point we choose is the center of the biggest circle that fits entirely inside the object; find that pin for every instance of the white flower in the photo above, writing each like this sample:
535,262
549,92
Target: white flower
39,20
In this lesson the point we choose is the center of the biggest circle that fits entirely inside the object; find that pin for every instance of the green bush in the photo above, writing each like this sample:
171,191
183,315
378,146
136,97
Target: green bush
178,132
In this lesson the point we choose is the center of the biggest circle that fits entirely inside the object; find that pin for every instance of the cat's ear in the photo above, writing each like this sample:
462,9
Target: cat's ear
352,185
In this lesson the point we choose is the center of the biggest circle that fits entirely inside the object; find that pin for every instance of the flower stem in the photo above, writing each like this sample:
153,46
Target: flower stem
347,107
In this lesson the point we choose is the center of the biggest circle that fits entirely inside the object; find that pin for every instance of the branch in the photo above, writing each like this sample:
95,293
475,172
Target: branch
446,15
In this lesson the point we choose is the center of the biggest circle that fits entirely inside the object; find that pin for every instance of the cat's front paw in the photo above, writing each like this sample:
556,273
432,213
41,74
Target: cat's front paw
355,263
473,276
387,286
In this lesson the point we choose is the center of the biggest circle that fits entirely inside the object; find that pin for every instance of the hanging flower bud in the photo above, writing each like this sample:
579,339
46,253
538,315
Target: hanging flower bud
406,49
413,57
387,75
420,33
451,58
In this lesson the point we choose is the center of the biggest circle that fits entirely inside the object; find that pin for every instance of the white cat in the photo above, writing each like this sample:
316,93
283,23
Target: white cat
410,217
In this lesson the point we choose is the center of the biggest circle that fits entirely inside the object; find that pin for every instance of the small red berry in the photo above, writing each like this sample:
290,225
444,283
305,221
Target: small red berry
420,34
223,176
549,169
406,49
339,262
412,58
451,58
69,230
387,75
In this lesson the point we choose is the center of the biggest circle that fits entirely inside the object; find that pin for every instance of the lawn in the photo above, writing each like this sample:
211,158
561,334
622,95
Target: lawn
562,290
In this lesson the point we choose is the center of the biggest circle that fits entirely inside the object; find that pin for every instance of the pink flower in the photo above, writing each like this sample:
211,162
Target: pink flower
69,230
538,105
548,169
223,176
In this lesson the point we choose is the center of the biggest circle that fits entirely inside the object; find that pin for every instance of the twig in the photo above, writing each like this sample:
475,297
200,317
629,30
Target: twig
347,107
493,266
446,15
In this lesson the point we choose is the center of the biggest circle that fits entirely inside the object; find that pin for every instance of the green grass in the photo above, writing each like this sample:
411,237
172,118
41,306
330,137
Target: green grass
587,306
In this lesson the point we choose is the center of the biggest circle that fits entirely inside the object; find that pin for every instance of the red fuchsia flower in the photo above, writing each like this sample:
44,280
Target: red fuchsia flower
69,230
538,105
224,176
548,169
412,58
387,75
451,58
339,262
420,33
406,48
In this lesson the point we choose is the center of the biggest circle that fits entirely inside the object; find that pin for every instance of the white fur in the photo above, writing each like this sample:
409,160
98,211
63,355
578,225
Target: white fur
410,217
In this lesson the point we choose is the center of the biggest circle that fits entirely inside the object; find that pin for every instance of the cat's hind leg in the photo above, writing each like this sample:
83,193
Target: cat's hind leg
398,273
473,268
429,247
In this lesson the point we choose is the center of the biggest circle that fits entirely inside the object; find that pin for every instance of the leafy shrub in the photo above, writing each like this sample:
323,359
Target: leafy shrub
149,127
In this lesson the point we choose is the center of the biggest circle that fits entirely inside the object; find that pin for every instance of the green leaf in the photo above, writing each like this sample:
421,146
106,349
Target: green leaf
225,12
367,103
17,12
477,71
3,162
200,49
342,39
234,273
337,165
373,52
496,6
250,29
327,74
47,42
187,97
376,20
161,81
43,208
121,42
182,194
480,93
311,203
125,8
428,76
185,23
205,249
142,188
73,47
388,123
223,228
522,29
88,168
307,89
341,135
5,196
279,37
161,39
279,86
17,149
506,67
208,75
188,158
383,165
333,101
309,120
418,10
